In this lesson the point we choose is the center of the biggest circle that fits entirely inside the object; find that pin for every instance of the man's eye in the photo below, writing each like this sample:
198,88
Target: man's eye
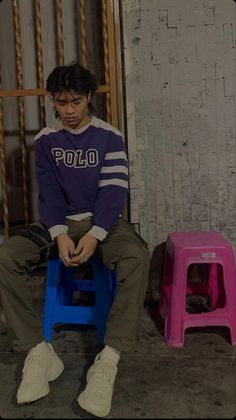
76,101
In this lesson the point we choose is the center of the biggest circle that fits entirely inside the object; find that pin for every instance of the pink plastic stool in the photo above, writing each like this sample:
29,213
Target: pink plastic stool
213,250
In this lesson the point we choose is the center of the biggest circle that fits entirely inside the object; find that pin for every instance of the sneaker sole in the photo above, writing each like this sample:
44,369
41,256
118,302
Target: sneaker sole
25,402
82,402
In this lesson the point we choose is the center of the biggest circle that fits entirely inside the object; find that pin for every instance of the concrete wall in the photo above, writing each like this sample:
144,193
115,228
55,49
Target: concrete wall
180,67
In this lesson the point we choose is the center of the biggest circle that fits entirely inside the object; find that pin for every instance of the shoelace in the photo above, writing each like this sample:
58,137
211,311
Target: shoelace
105,371
31,358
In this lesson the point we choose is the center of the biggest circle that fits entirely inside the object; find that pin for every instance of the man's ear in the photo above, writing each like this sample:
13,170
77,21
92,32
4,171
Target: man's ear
89,96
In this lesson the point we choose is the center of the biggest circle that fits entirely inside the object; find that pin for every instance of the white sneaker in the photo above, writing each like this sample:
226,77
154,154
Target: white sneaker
97,396
41,366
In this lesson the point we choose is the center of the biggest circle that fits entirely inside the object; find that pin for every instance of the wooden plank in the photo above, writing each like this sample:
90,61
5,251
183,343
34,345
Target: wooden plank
38,92
112,63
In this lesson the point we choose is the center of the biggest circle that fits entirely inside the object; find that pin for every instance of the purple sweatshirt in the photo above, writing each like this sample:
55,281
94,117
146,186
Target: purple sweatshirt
81,173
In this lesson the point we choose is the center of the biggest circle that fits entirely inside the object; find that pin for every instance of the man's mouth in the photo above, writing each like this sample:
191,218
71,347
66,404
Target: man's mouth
71,119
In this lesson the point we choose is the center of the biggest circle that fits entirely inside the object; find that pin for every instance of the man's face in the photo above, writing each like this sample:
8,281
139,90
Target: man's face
72,108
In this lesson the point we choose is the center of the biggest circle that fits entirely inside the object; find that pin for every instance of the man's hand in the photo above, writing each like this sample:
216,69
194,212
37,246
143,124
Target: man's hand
84,249
66,249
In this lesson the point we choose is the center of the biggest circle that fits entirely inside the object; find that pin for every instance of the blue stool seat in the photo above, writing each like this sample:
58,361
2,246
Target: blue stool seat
62,282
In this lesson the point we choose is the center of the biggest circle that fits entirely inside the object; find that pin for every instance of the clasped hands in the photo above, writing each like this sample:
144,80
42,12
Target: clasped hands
72,255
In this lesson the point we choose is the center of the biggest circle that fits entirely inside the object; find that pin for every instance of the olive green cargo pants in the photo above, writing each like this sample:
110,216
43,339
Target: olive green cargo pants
122,250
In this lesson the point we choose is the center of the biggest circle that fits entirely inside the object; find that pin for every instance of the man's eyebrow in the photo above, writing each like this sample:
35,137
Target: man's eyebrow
73,98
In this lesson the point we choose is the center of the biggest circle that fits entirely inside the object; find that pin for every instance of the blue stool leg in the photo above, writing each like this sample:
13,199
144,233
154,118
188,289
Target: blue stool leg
52,280
66,286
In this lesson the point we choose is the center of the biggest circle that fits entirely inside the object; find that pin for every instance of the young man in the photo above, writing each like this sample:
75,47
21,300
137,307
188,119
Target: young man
82,175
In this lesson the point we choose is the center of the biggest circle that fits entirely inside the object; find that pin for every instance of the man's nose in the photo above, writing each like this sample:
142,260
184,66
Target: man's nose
69,108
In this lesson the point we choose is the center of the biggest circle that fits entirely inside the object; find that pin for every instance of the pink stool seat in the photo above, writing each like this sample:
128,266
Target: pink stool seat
182,250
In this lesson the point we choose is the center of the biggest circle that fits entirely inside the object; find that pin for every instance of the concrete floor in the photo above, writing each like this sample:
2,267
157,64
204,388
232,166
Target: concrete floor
156,381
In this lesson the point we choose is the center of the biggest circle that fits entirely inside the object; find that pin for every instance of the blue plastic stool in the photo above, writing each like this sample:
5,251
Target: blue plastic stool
61,283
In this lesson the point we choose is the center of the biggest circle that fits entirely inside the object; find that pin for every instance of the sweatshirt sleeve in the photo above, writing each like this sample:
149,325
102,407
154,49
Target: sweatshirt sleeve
112,189
51,200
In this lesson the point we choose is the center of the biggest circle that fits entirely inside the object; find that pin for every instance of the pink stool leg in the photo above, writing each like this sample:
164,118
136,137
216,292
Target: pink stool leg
174,325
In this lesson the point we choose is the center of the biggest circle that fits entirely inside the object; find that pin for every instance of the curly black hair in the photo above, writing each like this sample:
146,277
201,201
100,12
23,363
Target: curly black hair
72,77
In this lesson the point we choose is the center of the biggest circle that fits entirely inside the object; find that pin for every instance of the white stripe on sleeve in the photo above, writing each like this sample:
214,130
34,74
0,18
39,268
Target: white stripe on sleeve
117,168
113,181
115,155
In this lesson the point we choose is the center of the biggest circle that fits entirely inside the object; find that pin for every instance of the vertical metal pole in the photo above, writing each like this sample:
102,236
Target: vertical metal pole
39,48
3,172
19,72
83,34
106,59
60,39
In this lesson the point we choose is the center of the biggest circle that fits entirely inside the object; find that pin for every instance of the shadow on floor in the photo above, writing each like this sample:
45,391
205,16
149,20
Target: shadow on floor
154,381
